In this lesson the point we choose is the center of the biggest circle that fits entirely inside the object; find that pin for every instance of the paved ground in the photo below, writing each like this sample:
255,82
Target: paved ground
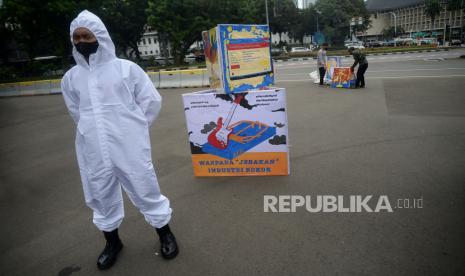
402,136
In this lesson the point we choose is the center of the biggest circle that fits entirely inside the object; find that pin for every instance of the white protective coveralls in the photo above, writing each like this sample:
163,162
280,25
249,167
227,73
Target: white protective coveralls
113,102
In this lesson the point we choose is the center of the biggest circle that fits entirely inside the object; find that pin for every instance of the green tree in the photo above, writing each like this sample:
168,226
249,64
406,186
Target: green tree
453,5
6,33
335,16
181,22
125,21
306,23
391,32
40,28
284,17
432,9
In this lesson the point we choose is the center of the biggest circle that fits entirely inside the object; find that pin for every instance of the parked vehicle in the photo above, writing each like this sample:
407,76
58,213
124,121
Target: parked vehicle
373,44
200,58
161,61
427,41
352,42
355,45
314,47
390,43
407,41
277,51
456,42
191,58
300,50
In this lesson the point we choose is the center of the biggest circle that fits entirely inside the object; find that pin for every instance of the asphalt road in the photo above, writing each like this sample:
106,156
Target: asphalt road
403,136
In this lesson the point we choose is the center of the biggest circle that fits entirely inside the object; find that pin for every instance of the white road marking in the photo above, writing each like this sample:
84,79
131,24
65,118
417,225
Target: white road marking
376,59
408,77
415,69
399,77
380,71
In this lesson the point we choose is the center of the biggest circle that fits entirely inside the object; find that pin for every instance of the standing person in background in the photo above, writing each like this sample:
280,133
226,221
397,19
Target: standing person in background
321,62
113,103
361,60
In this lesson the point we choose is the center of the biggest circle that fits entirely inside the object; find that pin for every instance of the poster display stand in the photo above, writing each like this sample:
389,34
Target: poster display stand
238,134
343,77
239,127
331,63
335,76
238,57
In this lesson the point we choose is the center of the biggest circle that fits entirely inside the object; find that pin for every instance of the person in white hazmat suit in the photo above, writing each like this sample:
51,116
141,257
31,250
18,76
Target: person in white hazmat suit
113,103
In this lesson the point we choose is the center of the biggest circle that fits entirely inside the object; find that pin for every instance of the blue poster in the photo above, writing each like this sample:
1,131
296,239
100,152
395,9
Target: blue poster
245,57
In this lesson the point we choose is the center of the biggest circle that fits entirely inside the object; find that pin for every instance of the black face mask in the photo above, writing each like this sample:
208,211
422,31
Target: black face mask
86,48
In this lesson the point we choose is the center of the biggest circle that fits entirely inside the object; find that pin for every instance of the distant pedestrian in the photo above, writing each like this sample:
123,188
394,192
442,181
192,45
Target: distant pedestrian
321,62
361,60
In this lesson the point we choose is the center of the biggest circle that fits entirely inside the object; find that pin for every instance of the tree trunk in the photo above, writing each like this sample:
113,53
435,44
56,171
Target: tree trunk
135,50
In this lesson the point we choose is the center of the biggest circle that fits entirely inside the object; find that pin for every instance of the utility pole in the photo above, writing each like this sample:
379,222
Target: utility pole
317,25
445,26
266,9
395,28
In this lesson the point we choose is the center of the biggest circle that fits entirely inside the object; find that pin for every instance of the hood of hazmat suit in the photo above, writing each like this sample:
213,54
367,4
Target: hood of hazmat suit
113,103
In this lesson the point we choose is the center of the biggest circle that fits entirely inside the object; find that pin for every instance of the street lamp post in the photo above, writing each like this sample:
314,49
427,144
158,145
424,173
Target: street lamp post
395,28
352,23
266,9
445,27
317,25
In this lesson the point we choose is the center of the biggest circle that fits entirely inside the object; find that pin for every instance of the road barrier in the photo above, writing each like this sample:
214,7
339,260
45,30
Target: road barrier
161,79
28,88
192,78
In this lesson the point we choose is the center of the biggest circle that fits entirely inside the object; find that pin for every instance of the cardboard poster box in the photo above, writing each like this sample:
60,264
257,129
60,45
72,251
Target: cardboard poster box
343,77
210,45
238,57
241,134
331,63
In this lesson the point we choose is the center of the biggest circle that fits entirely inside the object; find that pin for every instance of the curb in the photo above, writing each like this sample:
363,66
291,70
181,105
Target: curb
368,54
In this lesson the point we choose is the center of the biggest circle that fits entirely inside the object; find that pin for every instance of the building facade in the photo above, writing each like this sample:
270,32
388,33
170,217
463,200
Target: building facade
410,16
277,38
149,45
306,3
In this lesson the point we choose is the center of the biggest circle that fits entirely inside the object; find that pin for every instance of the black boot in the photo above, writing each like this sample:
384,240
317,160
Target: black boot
169,247
108,256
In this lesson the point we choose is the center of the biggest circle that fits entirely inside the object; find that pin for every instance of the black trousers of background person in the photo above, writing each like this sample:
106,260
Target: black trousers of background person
360,82
322,74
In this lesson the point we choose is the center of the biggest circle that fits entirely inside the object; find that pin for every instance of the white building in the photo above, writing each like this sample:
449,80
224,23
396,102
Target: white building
284,37
410,15
307,3
150,46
